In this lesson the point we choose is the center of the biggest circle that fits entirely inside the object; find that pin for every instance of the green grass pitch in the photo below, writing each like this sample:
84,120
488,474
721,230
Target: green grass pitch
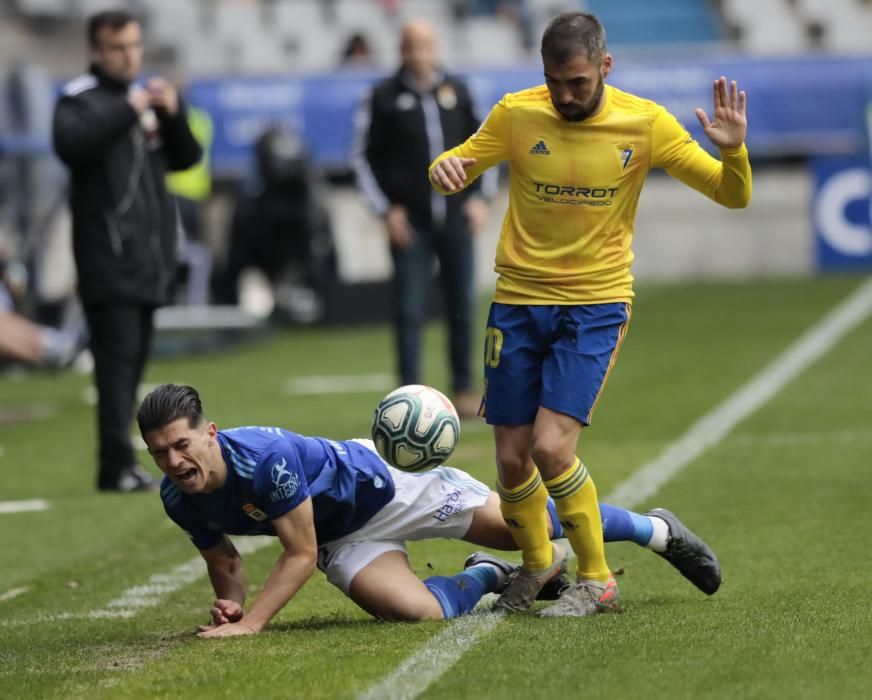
784,500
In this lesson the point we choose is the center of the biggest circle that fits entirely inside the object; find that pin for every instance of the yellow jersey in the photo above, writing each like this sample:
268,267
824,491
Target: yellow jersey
574,187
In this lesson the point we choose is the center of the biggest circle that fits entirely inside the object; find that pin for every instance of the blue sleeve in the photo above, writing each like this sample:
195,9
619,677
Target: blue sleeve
280,483
202,537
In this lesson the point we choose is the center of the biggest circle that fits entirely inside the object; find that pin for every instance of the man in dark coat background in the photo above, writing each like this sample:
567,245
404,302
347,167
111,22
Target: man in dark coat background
118,138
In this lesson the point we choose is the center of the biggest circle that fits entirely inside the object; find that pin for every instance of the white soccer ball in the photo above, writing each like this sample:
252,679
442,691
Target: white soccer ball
415,428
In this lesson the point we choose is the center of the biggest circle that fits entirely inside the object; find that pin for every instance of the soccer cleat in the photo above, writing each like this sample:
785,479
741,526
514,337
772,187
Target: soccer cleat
504,568
689,554
524,585
584,598
552,589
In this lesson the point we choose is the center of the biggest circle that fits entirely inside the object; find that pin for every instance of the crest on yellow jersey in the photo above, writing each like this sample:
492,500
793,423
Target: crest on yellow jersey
625,154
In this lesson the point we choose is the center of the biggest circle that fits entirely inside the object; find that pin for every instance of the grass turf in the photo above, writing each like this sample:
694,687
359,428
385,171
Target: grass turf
782,499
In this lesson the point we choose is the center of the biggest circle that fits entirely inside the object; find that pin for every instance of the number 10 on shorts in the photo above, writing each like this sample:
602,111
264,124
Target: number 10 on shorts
493,344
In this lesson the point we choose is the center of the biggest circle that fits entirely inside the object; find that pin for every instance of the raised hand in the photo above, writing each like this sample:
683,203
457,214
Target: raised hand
728,126
163,95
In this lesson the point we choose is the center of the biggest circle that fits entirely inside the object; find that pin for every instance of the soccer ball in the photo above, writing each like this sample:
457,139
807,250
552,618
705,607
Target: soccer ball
415,428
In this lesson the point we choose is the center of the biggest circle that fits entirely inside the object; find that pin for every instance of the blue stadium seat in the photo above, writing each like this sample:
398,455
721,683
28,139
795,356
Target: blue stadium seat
642,22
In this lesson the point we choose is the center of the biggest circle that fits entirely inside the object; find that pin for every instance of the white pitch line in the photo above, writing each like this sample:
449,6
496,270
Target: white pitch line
816,342
414,675
23,506
808,438
419,671
150,594
13,593
338,384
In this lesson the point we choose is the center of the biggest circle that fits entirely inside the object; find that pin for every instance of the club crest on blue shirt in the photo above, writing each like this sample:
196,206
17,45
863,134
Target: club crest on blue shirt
253,512
285,482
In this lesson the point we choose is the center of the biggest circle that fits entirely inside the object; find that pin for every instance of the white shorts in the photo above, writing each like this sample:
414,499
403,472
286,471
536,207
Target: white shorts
436,503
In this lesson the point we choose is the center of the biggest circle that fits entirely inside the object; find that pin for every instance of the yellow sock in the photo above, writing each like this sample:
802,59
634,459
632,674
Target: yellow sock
525,510
574,495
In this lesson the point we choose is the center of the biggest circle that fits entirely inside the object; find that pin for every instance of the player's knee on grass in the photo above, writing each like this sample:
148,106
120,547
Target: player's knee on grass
409,606
388,589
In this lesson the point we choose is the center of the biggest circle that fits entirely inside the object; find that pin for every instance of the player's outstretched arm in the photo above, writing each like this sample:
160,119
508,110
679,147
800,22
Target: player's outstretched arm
729,124
227,575
296,532
449,174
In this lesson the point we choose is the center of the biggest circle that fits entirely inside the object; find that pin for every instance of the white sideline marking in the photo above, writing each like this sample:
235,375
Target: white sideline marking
23,506
712,427
150,594
419,671
13,593
339,384
809,438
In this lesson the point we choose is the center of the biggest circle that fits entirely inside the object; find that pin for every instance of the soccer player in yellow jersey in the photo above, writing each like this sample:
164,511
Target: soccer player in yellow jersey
578,153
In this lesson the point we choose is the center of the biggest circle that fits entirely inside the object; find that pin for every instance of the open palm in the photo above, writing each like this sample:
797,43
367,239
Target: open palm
729,125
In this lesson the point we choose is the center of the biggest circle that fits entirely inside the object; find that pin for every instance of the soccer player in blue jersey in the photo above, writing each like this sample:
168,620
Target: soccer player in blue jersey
339,507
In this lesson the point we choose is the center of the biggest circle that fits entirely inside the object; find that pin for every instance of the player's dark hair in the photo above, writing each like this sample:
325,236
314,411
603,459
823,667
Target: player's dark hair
571,34
167,404
114,19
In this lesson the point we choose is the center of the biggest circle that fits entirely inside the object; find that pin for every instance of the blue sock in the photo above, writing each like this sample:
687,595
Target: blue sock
555,521
459,594
621,525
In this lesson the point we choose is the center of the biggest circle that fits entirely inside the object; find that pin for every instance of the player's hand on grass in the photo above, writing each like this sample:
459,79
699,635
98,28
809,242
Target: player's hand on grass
231,629
450,173
223,612
728,125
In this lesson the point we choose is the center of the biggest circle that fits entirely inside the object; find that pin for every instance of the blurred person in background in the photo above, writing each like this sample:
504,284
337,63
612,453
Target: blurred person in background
118,138
406,121
579,153
191,188
281,227
36,344
357,52
23,340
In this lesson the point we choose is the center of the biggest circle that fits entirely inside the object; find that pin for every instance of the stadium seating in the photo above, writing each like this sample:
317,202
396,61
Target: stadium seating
846,25
642,23
766,28
260,36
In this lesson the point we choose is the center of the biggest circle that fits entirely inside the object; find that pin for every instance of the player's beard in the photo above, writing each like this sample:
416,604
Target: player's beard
579,114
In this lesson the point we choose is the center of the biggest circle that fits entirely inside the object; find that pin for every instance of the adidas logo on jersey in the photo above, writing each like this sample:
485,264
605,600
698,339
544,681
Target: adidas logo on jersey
540,149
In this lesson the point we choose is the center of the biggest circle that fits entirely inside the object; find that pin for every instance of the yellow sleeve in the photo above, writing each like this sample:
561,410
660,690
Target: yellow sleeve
726,181
489,146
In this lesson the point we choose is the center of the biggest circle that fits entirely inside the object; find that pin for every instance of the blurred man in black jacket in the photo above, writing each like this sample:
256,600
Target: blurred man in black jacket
118,138
399,131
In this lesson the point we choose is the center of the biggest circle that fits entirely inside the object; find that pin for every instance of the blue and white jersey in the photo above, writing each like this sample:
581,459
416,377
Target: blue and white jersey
271,471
